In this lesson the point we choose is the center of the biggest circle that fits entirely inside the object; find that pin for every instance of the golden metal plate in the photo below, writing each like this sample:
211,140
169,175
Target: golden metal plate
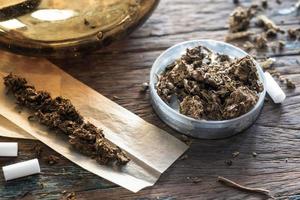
56,28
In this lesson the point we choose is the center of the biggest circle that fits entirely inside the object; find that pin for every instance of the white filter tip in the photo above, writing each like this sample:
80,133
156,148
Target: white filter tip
21,169
8,149
273,89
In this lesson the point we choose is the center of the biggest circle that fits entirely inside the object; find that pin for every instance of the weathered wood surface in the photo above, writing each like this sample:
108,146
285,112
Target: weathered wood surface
119,71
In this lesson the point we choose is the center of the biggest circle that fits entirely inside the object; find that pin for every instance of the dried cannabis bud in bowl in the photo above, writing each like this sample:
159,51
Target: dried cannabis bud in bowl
207,89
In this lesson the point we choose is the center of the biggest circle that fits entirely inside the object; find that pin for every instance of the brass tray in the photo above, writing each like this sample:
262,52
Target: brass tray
57,28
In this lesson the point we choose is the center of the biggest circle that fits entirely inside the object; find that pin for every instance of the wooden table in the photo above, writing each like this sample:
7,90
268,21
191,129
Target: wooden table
118,71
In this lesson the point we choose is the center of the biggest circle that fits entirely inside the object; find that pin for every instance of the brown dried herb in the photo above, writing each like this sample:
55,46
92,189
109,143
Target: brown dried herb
60,115
294,33
238,35
70,196
271,33
290,84
228,162
210,86
239,19
235,154
267,24
281,45
261,41
248,46
267,64
194,179
52,159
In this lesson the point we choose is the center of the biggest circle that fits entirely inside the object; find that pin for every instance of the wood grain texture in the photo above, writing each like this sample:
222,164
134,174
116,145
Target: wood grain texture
119,71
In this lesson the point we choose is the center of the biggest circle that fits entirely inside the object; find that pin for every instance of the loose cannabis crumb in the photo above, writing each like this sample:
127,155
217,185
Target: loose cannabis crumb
235,154
209,85
194,179
281,79
281,45
71,196
271,33
60,115
248,46
294,33
238,35
261,41
52,159
228,162
290,84
268,63
268,24
239,19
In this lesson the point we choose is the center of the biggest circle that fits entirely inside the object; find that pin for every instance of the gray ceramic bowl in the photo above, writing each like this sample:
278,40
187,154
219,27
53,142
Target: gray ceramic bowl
201,128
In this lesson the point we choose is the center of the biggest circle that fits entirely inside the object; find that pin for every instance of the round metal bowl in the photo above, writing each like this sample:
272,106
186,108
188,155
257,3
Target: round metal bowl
59,28
201,128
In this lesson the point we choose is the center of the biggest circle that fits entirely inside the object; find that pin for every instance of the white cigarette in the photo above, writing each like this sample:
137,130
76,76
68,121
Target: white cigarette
273,89
21,169
8,149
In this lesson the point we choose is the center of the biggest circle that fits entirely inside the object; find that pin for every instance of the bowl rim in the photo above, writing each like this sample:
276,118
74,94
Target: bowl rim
154,94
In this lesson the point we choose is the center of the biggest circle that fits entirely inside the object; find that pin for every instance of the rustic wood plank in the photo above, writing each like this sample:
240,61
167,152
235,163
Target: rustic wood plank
119,70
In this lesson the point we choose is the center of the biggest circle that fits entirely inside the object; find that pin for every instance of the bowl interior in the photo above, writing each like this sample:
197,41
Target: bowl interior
174,52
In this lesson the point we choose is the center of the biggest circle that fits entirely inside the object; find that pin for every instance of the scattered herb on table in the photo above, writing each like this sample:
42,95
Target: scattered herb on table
290,84
235,154
70,196
294,33
52,159
228,162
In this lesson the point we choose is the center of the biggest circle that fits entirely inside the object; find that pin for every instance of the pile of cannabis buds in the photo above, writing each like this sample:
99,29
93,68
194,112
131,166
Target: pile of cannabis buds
259,41
61,116
209,85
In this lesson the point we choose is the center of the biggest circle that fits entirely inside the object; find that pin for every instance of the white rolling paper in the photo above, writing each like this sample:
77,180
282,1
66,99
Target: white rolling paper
21,169
8,149
273,89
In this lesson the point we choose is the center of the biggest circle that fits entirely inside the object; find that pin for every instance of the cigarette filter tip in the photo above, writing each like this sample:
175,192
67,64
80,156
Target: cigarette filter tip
21,169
